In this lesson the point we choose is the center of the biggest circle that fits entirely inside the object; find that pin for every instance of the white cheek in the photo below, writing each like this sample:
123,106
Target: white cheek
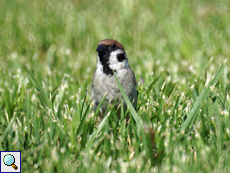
114,64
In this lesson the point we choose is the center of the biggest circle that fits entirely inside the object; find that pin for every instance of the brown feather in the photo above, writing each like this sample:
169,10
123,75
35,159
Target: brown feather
111,42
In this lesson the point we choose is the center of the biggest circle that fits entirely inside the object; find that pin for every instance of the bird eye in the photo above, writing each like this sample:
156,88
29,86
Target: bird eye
121,57
114,46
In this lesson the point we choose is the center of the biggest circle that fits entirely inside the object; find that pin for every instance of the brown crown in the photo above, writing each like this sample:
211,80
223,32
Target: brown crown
111,42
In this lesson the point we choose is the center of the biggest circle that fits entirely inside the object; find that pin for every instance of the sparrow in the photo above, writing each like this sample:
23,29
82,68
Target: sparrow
112,59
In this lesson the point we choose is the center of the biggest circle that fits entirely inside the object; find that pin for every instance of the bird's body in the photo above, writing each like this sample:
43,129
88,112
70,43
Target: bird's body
112,58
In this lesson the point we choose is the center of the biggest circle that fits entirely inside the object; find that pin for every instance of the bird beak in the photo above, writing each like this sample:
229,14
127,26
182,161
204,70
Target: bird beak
101,48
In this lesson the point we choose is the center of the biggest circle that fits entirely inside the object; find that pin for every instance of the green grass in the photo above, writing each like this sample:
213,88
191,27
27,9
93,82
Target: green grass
179,48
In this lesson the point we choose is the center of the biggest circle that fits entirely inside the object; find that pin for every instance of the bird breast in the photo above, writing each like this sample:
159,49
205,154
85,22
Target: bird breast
106,84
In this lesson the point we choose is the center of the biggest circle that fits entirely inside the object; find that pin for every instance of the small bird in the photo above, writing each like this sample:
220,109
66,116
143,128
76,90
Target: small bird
112,59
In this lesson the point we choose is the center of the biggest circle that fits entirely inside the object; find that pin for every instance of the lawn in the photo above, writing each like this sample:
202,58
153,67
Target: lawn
179,51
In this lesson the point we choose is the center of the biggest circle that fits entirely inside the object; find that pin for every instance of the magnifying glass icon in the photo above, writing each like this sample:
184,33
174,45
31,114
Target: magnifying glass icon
9,160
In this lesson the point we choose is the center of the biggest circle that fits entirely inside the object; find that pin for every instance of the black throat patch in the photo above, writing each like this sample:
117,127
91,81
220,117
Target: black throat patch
104,59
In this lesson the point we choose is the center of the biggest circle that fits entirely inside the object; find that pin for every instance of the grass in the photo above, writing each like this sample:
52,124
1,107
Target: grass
179,51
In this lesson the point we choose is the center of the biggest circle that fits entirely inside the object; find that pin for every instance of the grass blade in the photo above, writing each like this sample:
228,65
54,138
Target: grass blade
95,133
130,106
204,93
44,98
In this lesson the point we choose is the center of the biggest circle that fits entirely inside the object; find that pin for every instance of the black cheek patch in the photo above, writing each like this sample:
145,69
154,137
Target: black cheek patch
121,57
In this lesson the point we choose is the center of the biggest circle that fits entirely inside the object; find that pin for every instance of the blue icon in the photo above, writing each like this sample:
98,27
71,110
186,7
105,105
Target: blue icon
9,160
